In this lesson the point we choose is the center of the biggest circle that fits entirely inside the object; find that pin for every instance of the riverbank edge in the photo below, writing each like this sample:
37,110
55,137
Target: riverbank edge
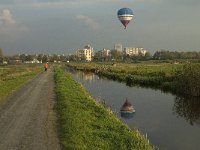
160,82
182,80
87,124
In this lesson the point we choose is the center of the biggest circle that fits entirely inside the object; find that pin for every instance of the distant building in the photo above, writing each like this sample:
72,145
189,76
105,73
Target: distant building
85,53
134,51
34,61
103,55
118,47
104,52
5,62
14,60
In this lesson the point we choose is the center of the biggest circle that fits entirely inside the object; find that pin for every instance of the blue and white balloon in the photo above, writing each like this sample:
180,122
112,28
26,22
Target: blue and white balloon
125,15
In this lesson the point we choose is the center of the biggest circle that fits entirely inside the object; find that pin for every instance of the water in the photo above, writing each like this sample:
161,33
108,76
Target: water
170,122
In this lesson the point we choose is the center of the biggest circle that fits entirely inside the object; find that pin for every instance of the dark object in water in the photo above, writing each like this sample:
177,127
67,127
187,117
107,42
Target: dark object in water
127,111
127,115
127,107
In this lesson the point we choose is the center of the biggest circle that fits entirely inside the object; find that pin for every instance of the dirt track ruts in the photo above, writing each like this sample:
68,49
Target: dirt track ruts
28,118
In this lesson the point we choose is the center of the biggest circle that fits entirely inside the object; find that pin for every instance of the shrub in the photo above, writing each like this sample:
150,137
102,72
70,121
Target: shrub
188,80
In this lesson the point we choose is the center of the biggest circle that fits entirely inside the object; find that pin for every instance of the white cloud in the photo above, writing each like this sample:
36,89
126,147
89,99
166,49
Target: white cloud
8,24
6,17
75,4
88,21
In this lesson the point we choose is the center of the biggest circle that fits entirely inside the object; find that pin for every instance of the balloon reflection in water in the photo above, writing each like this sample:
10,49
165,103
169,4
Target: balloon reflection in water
127,111
189,108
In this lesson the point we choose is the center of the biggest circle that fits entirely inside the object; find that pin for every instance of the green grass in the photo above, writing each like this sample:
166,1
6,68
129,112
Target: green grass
87,124
12,76
168,77
188,80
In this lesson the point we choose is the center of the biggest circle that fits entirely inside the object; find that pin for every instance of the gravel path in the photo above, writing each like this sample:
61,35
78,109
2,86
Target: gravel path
27,117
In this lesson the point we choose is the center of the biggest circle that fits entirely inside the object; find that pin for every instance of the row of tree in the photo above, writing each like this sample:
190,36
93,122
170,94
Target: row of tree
158,55
114,55
27,58
171,55
42,57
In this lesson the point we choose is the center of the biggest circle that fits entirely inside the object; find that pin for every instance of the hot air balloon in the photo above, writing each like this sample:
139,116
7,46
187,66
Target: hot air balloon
125,15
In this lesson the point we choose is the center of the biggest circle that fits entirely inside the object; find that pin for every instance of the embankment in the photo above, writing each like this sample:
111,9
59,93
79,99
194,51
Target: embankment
87,124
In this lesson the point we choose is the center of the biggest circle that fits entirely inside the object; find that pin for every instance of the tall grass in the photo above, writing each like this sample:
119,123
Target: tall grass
188,79
12,76
87,124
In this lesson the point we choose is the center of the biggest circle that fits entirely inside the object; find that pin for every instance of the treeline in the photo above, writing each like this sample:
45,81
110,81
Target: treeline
37,58
172,55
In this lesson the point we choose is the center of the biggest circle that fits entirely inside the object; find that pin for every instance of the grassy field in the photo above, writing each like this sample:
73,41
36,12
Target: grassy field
169,77
12,76
87,124
147,74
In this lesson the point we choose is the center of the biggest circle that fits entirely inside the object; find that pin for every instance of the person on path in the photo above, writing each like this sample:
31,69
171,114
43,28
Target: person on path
46,66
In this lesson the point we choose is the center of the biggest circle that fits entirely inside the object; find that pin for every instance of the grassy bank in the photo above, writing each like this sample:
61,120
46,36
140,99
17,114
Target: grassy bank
147,74
12,76
165,76
87,124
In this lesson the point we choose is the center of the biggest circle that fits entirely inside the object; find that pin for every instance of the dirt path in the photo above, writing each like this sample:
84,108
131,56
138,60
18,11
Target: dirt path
28,119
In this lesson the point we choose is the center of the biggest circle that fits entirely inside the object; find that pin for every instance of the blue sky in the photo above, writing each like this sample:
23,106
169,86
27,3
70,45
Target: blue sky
63,26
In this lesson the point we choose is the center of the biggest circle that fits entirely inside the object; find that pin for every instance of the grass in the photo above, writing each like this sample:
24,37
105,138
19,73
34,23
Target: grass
168,77
87,124
12,76
188,80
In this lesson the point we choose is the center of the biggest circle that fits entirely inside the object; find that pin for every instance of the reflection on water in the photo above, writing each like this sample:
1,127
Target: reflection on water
85,75
127,115
186,107
127,110
189,108
156,113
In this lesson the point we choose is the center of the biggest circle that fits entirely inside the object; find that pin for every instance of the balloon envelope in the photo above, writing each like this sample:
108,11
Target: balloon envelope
125,15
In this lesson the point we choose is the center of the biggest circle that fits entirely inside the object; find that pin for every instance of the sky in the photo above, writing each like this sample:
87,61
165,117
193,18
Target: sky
63,26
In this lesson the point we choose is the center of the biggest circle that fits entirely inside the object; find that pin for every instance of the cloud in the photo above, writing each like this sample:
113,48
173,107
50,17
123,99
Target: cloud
8,24
88,21
190,2
6,17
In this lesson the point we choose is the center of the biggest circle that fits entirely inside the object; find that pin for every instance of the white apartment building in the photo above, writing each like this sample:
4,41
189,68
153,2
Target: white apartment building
85,53
104,52
103,55
134,51
118,47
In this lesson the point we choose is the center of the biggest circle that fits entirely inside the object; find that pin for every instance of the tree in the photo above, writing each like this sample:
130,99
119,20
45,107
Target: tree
1,55
29,58
39,58
115,54
44,59
54,58
22,57
73,58
172,55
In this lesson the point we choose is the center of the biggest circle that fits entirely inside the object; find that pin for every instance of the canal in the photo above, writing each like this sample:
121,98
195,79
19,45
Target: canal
170,122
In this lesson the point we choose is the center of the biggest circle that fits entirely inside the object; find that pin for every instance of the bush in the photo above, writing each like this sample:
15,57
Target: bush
188,80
